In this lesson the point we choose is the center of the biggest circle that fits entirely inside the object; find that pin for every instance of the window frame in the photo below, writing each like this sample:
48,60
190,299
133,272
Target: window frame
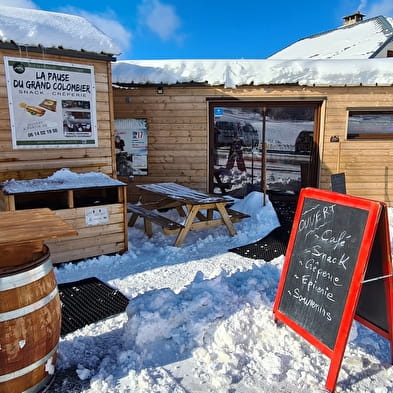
368,136
316,102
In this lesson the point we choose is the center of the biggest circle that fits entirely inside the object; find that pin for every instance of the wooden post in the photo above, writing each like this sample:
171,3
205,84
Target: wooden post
264,152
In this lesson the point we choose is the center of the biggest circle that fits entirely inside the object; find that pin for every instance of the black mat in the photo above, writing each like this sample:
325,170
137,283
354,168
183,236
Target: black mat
275,243
268,248
87,301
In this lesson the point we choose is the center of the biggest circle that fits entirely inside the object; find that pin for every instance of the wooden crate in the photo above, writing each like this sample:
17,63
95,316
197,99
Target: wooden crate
98,213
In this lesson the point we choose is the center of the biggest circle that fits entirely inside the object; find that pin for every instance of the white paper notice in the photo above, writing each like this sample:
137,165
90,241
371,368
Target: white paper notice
96,215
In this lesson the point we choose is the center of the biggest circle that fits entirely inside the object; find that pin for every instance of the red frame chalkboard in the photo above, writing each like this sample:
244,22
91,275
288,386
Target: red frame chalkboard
371,231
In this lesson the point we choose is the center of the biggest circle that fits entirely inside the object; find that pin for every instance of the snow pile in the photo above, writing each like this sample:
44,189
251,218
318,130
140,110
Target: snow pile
30,27
61,180
232,73
200,320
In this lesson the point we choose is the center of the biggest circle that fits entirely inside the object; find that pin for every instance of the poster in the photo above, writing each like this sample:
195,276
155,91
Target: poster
131,147
51,104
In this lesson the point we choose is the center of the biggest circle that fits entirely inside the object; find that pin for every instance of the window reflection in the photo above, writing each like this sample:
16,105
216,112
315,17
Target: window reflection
370,125
239,143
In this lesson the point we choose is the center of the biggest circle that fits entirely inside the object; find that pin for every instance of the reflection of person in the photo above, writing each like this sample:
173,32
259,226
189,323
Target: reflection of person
123,164
119,143
236,154
123,159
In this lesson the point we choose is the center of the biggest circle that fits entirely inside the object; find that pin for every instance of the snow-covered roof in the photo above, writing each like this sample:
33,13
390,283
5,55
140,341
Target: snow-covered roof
232,73
362,40
37,28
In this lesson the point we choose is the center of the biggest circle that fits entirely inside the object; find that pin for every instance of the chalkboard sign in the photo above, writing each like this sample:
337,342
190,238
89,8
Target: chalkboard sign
321,266
331,243
338,182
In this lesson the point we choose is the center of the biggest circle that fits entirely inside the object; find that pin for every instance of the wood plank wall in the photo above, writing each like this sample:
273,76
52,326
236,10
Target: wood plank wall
177,133
368,164
40,163
179,141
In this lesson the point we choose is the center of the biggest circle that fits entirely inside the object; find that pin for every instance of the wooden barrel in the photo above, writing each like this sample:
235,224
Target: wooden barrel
30,323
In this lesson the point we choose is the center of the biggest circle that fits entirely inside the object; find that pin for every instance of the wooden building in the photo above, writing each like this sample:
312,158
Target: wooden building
345,107
42,162
56,113
95,50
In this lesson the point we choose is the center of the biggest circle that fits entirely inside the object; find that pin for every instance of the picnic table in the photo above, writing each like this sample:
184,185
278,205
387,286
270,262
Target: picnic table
197,209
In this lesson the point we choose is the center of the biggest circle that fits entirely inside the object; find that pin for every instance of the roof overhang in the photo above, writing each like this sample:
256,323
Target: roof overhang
57,51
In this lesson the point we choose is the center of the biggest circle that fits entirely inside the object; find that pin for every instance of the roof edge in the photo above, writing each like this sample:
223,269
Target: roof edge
58,51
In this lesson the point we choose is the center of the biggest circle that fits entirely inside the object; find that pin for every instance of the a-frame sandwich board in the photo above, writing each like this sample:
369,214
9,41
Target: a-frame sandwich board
337,268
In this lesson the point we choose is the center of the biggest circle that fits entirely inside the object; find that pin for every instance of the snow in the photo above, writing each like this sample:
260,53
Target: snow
233,73
63,179
30,27
200,320
358,41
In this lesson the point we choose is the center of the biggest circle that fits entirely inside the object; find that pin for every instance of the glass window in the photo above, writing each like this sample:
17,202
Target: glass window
241,134
370,125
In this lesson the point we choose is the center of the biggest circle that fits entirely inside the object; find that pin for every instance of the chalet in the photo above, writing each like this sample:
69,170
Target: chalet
298,121
57,122
312,118
318,107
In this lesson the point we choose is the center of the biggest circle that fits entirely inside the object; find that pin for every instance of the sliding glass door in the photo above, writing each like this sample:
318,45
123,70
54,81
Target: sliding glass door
267,147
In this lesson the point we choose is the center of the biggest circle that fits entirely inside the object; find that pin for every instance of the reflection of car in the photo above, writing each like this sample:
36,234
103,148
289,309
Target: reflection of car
304,142
226,130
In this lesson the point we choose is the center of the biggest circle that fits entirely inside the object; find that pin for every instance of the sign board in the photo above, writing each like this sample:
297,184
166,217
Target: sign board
335,239
131,147
338,183
51,104
96,216
218,111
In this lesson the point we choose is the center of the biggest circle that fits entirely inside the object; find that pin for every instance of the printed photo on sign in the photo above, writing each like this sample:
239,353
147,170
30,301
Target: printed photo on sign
77,118
131,147
51,104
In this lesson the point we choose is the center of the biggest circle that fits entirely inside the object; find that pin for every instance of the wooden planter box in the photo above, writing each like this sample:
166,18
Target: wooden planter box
97,212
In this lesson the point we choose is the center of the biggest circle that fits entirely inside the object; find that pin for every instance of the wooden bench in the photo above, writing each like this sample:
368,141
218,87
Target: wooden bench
168,226
237,216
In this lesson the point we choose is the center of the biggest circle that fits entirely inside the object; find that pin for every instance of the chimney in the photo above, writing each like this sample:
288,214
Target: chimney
353,18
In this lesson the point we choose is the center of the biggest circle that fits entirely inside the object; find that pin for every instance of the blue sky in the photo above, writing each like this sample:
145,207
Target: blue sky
209,29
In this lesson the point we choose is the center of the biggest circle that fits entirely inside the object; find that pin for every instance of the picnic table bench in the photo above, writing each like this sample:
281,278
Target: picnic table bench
169,226
196,207
237,216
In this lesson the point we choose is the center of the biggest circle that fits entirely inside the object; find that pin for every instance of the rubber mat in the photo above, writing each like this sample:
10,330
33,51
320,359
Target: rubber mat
275,243
268,248
88,301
